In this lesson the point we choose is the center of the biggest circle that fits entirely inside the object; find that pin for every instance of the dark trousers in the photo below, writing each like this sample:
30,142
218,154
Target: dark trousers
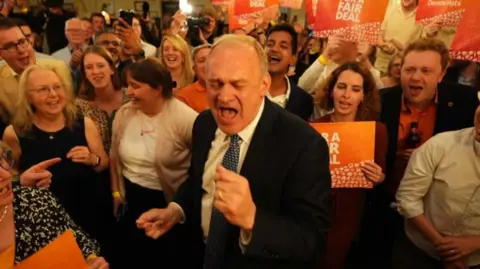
407,255
142,251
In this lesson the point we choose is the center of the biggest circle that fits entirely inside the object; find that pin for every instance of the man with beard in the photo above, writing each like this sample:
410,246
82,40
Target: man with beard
281,47
110,41
17,51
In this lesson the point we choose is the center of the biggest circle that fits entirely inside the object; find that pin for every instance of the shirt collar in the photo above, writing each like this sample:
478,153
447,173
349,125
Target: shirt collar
287,94
199,87
14,74
247,133
405,107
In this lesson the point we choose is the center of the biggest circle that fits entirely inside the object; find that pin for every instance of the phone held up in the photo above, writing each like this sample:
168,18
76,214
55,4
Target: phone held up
127,16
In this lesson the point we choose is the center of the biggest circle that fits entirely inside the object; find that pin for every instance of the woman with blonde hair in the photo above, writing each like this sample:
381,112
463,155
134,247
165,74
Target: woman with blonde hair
392,78
176,57
46,125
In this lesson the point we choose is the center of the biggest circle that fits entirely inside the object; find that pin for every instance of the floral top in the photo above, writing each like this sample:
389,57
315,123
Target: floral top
40,219
101,118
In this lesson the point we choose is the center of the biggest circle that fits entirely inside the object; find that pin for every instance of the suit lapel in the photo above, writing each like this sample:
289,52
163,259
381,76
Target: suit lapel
259,149
204,143
444,109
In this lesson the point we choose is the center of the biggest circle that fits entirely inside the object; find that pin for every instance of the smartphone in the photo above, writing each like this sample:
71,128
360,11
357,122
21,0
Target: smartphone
127,16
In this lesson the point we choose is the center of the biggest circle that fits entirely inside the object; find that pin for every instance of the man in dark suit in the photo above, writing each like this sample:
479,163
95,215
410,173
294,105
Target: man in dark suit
434,107
259,185
281,47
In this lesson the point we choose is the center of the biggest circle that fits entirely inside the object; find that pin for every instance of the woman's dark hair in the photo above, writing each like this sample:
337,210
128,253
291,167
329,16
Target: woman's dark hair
150,71
369,108
88,92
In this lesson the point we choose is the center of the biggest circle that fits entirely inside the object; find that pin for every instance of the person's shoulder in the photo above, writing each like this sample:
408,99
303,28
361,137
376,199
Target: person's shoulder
60,52
186,91
52,63
292,127
456,89
33,198
300,92
390,91
180,110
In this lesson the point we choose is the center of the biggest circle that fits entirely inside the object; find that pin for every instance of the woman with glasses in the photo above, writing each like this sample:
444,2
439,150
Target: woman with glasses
46,125
31,218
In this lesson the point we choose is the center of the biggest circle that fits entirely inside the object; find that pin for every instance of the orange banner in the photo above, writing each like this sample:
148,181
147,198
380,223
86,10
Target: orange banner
311,10
221,2
466,45
248,21
242,7
354,20
447,12
59,254
293,4
350,144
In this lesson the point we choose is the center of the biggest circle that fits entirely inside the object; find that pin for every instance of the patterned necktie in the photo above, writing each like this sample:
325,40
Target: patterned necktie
219,227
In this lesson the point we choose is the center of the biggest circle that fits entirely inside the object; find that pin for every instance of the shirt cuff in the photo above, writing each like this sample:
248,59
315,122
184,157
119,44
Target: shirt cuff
245,239
182,221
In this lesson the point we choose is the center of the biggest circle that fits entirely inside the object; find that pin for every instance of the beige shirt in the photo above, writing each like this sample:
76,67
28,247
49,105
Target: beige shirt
172,144
442,181
281,99
218,149
399,26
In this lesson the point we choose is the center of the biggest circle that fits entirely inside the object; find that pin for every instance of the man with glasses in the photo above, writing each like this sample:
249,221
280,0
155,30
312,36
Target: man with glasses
72,53
17,51
111,42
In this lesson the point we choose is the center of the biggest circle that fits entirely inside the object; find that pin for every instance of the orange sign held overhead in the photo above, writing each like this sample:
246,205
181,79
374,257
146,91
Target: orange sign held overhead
311,9
466,45
350,144
242,7
446,12
293,4
60,254
354,20
248,22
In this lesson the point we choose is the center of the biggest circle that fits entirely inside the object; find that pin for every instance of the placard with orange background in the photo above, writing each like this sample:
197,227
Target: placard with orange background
242,7
466,45
448,12
293,4
62,253
311,10
249,21
350,144
354,20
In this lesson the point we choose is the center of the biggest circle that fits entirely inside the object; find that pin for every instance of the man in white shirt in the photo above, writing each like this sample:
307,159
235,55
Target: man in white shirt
149,49
75,33
281,47
439,196
256,199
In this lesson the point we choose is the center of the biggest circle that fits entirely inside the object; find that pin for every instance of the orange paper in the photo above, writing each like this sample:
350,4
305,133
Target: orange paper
350,144
248,21
354,20
293,4
221,2
62,253
447,12
242,7
466,45
311,10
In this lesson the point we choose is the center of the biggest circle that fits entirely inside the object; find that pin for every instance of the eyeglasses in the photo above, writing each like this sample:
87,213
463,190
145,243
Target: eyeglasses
44,91
108,42
13,46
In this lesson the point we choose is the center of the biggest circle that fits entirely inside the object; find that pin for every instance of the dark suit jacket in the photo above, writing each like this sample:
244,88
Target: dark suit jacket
455,110
300,102
290,185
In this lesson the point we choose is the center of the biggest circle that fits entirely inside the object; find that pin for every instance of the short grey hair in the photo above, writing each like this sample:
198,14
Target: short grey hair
197,49
250,42
72,20
104,31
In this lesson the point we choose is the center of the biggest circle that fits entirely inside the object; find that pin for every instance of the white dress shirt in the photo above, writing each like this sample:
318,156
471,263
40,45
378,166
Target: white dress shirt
219,147
63,54
442,181
281,99
149,49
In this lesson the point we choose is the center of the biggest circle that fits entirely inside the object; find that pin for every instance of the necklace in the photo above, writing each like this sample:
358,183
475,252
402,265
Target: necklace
4,214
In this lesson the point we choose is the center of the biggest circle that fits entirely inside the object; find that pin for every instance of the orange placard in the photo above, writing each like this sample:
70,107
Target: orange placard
247,21
242,7
466,45
221,2
354,20
447,12
311,10
60,254
350,144
293,4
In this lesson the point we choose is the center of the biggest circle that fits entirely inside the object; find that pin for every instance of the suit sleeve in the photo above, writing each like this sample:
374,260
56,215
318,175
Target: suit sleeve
300,232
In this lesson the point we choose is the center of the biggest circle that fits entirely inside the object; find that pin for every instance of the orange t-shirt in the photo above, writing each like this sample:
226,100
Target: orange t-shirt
7,258
195,96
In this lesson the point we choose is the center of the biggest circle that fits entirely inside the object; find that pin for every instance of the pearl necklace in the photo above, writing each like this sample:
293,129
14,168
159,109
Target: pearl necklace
4,214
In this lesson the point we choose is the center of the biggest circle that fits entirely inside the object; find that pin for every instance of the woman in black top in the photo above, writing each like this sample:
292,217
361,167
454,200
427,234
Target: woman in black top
47,126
